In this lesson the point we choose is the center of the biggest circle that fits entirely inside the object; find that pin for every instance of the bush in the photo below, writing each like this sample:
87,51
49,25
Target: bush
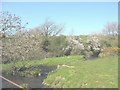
57,43
110,51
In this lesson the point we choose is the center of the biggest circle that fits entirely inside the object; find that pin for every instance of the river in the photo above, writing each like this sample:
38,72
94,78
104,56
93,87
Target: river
32,82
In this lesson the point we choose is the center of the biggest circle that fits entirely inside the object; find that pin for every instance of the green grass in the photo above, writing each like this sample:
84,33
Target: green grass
48,61
102,73
74,72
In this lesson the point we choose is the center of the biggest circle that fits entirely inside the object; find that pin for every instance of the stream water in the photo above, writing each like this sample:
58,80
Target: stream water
32,82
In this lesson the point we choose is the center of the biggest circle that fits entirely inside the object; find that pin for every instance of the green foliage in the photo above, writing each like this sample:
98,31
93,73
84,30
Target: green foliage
74,72
47,61
57,43
108,41
30,73
28,48
45,44
45,41
83,37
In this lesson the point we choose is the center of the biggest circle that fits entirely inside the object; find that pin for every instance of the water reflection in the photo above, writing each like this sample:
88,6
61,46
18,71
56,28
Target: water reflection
31,82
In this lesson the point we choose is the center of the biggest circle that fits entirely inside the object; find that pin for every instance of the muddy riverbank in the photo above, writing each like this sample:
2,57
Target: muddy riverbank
30,82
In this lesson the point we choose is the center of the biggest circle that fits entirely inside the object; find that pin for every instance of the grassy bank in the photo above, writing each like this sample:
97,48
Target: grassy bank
74,72
100,73
48,61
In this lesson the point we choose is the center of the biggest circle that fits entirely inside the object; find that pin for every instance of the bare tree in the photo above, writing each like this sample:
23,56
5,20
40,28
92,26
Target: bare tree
50,28
111,29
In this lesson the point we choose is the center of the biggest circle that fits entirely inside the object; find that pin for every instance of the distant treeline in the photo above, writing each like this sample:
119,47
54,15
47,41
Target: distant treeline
19,43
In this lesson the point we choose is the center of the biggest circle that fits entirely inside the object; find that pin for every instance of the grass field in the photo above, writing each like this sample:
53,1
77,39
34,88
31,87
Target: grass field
74,72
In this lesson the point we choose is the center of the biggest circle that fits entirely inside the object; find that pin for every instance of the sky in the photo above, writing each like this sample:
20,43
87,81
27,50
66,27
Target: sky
77,17
60,0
